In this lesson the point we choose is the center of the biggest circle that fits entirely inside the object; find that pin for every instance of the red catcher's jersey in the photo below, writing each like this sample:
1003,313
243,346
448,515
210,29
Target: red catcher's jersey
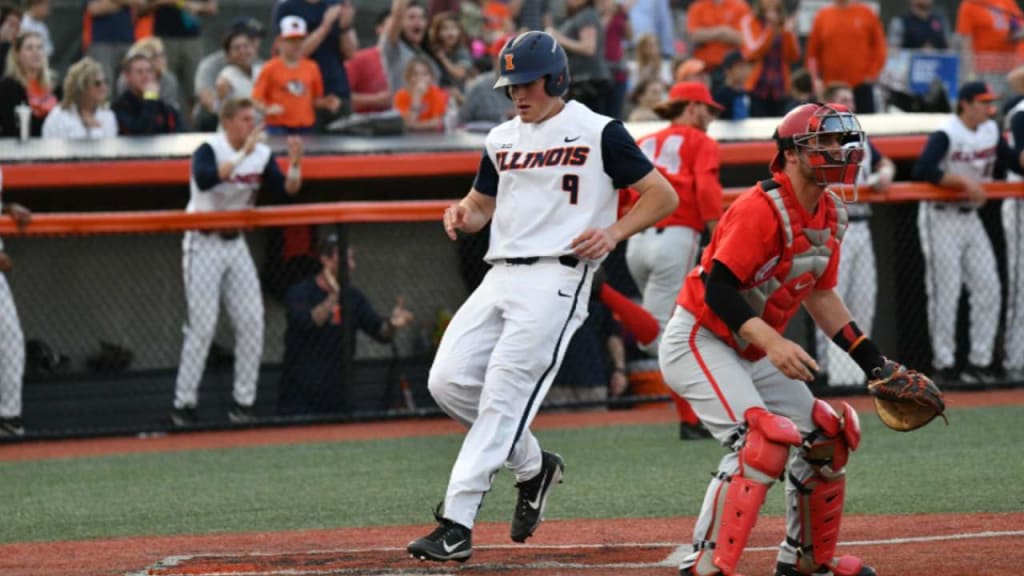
777,250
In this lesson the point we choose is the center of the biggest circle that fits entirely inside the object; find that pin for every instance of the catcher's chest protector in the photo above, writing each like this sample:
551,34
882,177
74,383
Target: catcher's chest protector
804,259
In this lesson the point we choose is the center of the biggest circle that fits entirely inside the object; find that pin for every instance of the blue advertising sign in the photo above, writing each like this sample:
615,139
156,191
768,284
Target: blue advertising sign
925,68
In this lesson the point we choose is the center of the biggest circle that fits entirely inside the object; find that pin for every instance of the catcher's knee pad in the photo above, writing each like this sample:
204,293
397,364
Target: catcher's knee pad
821,496
828,447
762,459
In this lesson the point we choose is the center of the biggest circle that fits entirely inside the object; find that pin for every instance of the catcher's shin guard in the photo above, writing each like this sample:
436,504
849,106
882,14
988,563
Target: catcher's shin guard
820,501
762,459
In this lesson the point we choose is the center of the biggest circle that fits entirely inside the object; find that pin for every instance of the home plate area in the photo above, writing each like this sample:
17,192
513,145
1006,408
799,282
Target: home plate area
596,559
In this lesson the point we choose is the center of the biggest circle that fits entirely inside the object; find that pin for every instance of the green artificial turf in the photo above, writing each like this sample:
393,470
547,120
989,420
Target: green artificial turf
973,465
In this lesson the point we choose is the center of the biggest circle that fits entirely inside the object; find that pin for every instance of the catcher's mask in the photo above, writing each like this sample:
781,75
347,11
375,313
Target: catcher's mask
831,138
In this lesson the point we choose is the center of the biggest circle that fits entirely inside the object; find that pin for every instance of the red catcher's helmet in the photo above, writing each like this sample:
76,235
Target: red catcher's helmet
800,130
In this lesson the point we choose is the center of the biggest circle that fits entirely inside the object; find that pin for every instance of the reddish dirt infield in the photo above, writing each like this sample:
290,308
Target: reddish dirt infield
923,545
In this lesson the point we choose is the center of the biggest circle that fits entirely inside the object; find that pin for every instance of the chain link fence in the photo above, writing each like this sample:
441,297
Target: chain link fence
104,317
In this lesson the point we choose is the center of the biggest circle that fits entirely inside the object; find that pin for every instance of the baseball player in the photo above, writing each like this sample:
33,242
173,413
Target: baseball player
548,184
227,172
965,152
777,247
1013,220
12,341
858,275
659,257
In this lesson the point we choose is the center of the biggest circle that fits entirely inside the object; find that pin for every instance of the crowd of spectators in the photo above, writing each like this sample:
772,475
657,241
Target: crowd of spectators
431,61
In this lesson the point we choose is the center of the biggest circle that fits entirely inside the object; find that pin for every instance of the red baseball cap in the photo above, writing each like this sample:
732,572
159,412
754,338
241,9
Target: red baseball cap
687,92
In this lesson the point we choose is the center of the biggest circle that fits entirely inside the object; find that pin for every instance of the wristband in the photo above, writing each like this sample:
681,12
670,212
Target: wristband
150,95
860,348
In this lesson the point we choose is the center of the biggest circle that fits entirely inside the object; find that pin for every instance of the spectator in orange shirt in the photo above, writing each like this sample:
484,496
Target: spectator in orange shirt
771,46
422,102
847,44
992,30
714,28
290,87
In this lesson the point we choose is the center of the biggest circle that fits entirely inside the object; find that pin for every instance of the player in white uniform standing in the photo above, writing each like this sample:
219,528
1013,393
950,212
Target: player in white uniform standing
1013,221
548,182
12,341
964,153
857,283
227,172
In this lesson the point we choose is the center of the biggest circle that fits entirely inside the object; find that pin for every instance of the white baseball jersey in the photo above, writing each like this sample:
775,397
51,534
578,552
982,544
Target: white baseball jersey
552,183
971,152
238,192
1012,176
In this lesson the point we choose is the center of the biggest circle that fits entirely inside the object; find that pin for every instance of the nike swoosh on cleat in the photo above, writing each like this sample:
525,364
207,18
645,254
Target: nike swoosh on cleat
567,139
535,504
448,548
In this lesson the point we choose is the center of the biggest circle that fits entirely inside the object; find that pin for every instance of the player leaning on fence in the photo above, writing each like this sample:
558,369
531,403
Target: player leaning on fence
227,172
548,184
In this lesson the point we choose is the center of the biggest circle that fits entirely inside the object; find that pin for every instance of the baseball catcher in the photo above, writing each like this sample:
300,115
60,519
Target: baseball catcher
906,399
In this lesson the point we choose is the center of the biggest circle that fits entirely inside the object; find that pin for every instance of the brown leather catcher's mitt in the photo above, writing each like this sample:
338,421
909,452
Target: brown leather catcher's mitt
906,399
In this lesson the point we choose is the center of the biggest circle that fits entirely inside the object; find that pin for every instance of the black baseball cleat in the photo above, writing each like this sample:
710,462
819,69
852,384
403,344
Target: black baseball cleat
11,427
239,414
449,541
533,496
841,566
184,416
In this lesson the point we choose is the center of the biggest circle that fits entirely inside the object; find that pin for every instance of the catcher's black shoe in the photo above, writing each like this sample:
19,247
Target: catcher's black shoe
449,541
533,496
841,566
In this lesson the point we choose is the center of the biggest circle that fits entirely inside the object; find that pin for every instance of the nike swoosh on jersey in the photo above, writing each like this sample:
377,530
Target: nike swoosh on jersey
802,285
567,139
564,295
449,547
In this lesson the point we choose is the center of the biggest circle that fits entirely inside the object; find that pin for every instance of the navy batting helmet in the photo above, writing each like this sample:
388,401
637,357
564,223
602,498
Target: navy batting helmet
533,55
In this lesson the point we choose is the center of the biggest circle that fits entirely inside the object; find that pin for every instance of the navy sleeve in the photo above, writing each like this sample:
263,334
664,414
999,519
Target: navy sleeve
1017,130
623,160
366,318
273,181
1007,158
876,156
926,169
204,168
486,181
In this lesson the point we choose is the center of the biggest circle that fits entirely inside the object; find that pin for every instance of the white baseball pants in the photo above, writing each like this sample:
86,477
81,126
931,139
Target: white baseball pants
1013,219
957,252
857,285
658,261
721,386
217,269
12,354
494,366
